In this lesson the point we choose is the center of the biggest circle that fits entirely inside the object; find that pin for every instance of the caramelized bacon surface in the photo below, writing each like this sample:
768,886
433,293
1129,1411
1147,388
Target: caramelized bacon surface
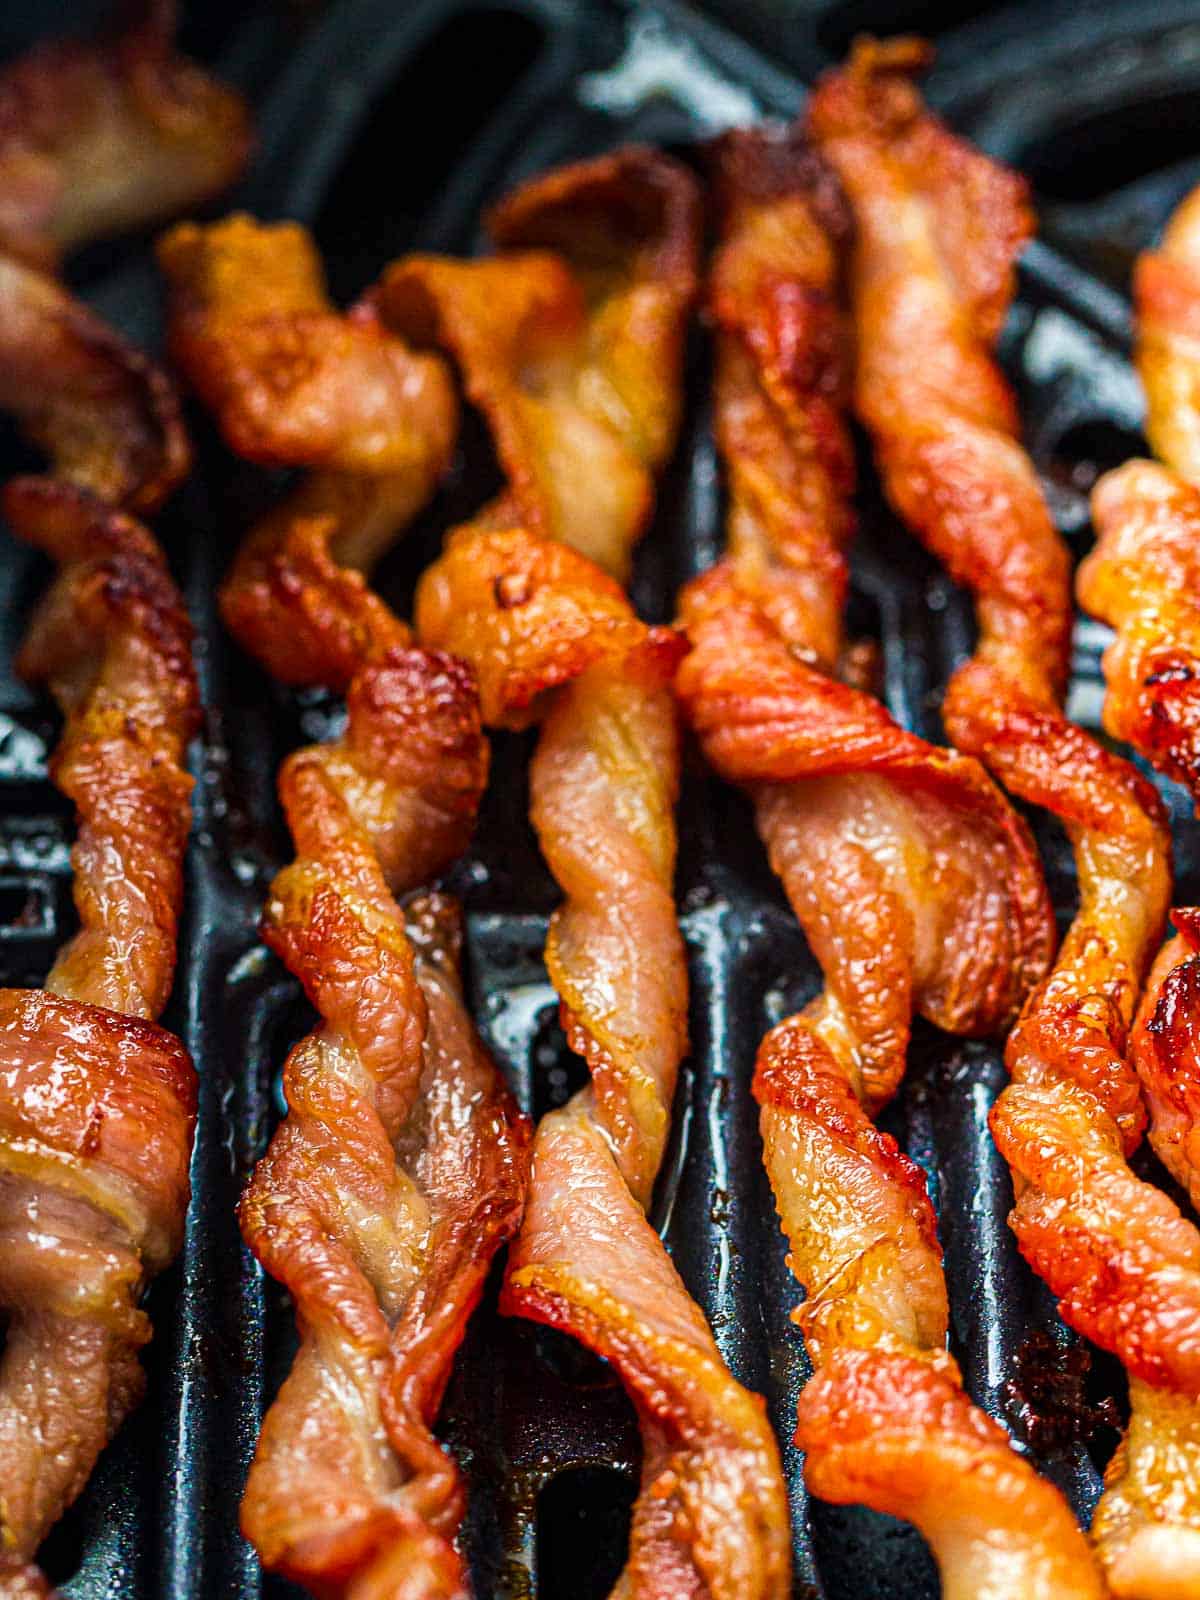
552,637
1166,287
938,228
294,382
570,341
400,1168
97,1103
916,885
106,416
97,138
1143,577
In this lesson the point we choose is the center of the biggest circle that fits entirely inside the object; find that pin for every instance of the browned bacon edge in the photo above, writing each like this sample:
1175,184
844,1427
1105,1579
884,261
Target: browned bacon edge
844,797
295,382
97,1104
553,638
562,341
1141,578
938,229
1166,285
104,136
400,1168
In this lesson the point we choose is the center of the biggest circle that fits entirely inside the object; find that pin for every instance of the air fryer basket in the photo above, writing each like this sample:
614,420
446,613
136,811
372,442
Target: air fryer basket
386,127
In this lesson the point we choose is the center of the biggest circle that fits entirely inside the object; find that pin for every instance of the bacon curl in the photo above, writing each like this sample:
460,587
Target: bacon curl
97,1103
916,885
939,226
400,1167
563,341
1141,578
101,137
294,382
553,638
1166,287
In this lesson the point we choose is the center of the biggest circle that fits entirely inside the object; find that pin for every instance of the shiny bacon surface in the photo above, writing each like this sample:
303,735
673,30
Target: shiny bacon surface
937,227
295,382
1140,578
748,968
98,137
400,1168
563,339
97,1103
711,1517
918,889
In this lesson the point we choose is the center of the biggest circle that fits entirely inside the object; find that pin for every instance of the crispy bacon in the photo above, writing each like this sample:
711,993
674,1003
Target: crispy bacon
400,1168
1143,577
97,1103
101,137
295,382
565,341
553,638
938,228
1166,286
106,416
918,888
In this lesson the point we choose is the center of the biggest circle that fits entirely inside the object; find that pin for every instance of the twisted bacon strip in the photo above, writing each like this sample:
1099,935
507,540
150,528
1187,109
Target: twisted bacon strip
1166,286
108,418
1141,578
1142,575
100,137
294,382
563,341
938,227
97,1104
553,637
916,885
400,1168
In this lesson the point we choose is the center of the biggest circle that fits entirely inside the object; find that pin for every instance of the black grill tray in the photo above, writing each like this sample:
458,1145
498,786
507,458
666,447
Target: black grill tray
387,127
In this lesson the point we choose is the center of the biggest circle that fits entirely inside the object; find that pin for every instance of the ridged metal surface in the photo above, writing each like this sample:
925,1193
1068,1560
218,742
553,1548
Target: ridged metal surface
386,128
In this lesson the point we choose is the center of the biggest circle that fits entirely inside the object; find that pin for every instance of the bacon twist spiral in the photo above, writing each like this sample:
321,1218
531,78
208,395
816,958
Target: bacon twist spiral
96,138
553,637
1166,286
97,1103
400,1168
293,382
938,227
1141,578
916,885
563,340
